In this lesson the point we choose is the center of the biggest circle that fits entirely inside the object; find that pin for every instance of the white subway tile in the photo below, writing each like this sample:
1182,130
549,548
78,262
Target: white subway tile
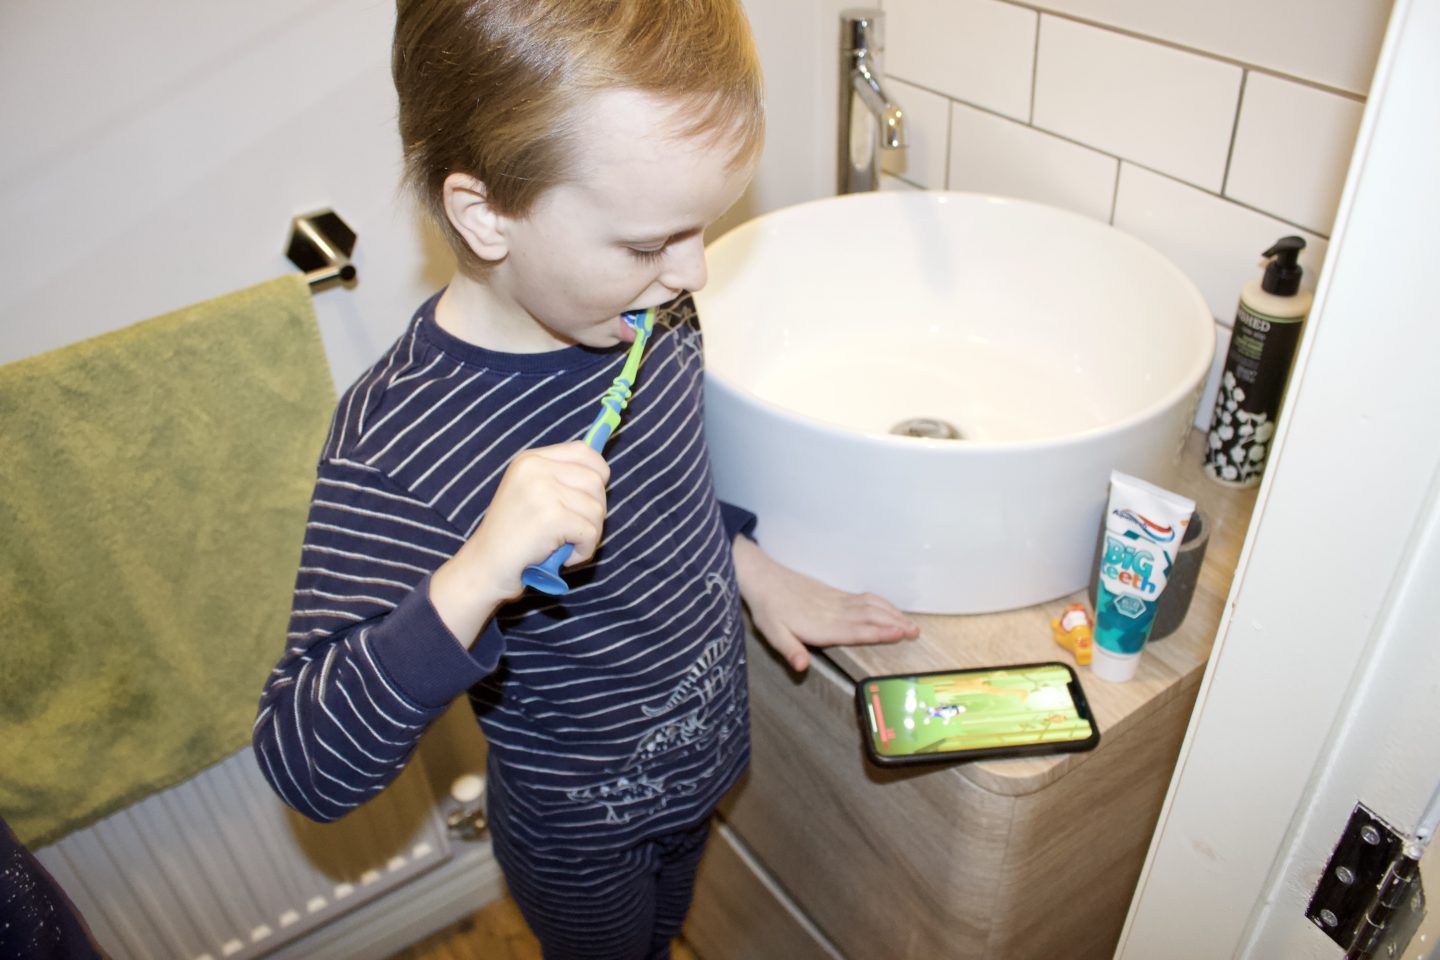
989,154
1333,42
980,51
1216,243
1158,106
927,130
1292,149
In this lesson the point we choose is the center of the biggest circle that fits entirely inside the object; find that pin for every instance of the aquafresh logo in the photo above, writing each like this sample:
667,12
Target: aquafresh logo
1147,528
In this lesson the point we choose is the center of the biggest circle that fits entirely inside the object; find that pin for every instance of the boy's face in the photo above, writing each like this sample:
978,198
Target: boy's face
625,232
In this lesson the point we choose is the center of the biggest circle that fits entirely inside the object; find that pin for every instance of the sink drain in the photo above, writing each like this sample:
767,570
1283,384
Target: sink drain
930,428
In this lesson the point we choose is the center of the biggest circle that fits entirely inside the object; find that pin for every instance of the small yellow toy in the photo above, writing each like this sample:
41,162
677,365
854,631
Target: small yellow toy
1075,631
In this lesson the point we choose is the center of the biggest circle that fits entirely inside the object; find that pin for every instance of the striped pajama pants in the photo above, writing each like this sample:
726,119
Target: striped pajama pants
583,905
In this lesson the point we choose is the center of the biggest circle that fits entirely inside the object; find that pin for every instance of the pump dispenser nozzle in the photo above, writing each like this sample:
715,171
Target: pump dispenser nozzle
1283,272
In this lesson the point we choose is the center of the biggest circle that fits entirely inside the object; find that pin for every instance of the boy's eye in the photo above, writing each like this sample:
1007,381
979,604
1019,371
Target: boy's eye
646,255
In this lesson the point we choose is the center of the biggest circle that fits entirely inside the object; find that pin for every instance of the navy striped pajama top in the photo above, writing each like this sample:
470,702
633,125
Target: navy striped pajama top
614,713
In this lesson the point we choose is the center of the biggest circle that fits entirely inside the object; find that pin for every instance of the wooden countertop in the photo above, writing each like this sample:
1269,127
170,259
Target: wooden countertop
1170,667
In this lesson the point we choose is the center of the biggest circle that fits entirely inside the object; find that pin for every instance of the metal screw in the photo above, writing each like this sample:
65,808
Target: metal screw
1329,918
1345,875
1369,834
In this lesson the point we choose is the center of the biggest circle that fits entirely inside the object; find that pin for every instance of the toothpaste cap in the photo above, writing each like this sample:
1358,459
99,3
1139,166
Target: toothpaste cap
1115,667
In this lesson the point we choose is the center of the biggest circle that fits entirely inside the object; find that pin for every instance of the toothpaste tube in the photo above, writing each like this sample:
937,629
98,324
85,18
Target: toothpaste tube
1143,529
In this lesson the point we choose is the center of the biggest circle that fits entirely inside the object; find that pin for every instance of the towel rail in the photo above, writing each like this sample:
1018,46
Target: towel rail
320,244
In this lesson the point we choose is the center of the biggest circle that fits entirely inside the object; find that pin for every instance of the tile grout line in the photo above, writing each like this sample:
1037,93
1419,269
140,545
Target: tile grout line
1115,191
1194,51
1113,156
1234,135
949,139
1035,67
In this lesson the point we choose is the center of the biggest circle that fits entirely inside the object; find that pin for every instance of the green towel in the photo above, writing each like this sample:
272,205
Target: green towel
154,484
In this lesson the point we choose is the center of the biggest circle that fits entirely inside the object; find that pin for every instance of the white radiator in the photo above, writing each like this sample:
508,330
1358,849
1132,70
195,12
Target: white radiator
218,868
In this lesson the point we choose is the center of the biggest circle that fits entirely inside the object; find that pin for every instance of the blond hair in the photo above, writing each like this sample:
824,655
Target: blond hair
494,88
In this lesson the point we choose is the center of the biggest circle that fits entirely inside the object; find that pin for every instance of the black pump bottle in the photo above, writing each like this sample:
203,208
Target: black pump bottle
1263,342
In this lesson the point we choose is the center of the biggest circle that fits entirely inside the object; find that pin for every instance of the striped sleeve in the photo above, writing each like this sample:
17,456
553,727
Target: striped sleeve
368,661
737,521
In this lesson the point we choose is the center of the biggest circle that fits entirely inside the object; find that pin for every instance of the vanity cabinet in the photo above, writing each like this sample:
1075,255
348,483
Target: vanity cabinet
927,862
1016,859
739,911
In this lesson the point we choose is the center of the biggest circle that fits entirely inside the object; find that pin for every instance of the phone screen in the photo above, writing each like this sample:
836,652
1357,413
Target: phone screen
1004,710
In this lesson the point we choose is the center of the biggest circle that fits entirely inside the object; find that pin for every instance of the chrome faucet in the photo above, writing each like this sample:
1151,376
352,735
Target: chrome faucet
864,105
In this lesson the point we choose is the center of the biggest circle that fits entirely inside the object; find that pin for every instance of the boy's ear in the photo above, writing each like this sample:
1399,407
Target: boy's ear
467,204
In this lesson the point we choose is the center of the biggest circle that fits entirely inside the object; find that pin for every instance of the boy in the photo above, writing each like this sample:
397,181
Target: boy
574,151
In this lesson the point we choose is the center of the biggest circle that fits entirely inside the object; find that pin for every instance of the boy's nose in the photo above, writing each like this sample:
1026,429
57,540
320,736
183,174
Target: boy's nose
685,266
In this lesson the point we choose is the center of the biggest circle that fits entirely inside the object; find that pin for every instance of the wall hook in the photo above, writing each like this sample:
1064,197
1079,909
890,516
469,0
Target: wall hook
320,244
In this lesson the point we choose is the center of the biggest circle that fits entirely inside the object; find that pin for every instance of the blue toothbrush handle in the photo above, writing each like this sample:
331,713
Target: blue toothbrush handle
597,436
545,577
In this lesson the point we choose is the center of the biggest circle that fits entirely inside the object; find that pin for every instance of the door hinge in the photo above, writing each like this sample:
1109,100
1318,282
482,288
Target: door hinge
1370,899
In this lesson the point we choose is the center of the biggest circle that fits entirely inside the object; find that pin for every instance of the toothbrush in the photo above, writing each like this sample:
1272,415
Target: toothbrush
545,577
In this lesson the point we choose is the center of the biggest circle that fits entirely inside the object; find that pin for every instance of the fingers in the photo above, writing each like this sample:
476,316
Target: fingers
575,452
880,620
548,497
785,643
573,482
852,618
857,618
568,504
579,521
572,465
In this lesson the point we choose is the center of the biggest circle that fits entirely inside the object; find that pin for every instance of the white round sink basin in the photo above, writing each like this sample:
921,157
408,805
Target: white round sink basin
1056,347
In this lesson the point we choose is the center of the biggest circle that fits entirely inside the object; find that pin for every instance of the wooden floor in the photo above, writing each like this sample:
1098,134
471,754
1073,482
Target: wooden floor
497,932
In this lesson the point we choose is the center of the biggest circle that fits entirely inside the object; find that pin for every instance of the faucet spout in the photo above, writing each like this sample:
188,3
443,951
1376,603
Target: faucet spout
891,118
864,104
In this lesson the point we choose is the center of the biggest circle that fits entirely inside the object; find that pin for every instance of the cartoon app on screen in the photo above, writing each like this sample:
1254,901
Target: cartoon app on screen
964,712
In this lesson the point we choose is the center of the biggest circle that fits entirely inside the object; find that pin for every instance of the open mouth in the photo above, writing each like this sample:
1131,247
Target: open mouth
624,331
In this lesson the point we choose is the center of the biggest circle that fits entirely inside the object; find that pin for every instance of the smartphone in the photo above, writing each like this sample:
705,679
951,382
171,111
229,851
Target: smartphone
953,715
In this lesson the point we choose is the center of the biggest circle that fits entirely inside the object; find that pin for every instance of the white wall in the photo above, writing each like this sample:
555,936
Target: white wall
154,155
1208,129
155,152
1324,686
799,48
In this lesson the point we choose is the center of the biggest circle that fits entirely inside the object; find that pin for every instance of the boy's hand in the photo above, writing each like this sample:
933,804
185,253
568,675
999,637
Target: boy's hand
548,497
792,610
